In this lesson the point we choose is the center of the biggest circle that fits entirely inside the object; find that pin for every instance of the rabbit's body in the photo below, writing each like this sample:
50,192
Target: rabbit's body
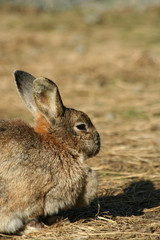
42,168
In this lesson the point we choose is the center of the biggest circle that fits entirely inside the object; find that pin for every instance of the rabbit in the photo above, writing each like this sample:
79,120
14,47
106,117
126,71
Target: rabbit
42,167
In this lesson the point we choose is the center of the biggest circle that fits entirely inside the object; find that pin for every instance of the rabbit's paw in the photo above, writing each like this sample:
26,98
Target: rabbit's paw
33,226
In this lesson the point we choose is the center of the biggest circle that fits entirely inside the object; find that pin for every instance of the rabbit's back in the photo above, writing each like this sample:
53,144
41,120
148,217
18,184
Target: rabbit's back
16,132
20,166
24,151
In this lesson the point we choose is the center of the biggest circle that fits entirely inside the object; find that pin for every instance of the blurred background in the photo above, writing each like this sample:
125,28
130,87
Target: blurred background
104,56
94,50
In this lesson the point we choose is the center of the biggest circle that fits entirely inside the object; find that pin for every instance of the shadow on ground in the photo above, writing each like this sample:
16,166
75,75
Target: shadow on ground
134,199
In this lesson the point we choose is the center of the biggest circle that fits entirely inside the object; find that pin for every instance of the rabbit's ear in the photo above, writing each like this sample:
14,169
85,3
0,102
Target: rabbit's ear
24,82
47,98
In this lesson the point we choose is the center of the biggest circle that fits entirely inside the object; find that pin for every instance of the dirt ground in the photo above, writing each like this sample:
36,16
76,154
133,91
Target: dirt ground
109,67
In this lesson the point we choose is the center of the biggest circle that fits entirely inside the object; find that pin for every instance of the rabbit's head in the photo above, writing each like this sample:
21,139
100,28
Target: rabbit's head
71,128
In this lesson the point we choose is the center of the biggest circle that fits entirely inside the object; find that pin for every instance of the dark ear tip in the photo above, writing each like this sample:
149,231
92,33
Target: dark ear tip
18,73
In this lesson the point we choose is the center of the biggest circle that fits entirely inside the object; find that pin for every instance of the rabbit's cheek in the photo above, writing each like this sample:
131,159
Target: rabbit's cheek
70,130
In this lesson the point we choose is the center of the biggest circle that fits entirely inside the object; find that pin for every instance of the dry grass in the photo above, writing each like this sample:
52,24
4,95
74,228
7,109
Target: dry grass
111,70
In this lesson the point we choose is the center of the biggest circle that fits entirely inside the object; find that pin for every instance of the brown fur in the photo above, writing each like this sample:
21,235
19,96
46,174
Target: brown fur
41,124
42,169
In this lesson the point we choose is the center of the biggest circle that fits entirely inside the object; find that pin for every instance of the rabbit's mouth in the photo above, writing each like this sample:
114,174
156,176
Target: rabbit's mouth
96,147
98,144
97,151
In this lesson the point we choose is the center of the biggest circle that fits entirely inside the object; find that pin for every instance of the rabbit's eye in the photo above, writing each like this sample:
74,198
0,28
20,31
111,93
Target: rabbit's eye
81,127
